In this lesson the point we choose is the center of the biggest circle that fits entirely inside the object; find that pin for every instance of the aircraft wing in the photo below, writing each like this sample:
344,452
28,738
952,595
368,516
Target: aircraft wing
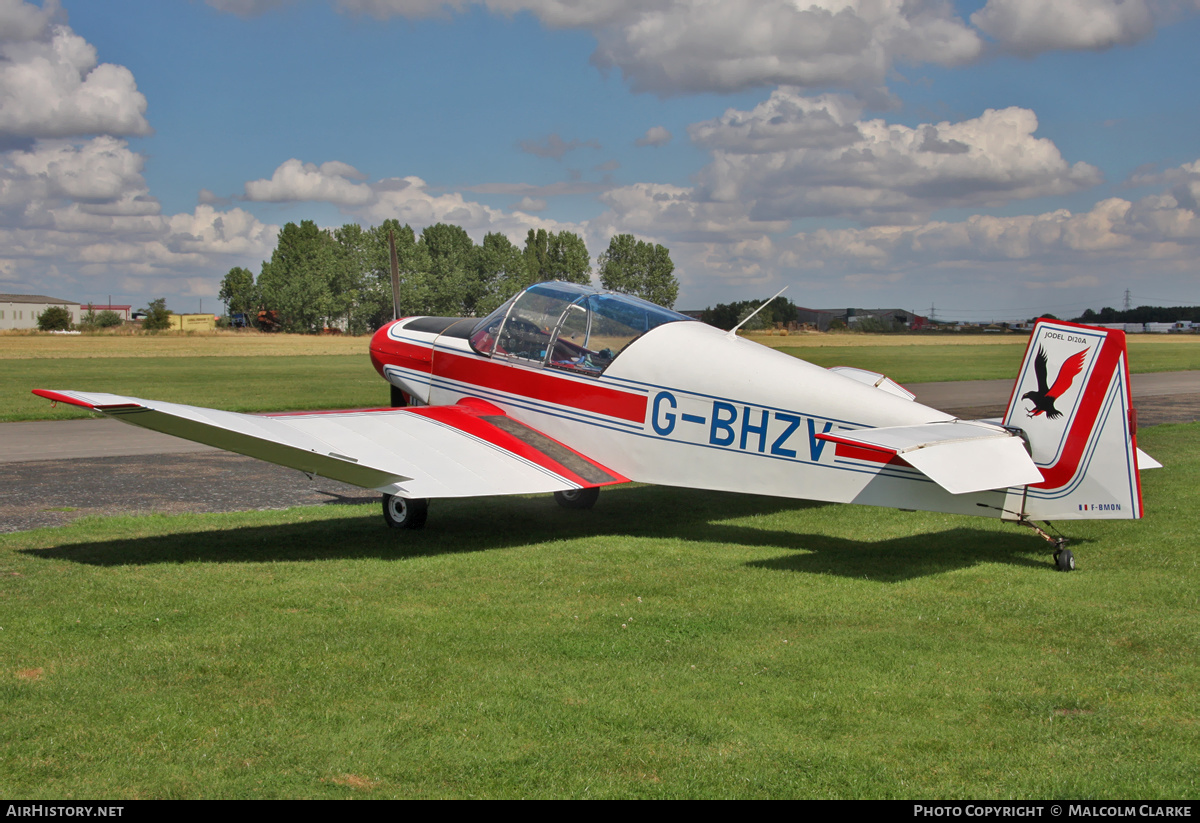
961,456
469,449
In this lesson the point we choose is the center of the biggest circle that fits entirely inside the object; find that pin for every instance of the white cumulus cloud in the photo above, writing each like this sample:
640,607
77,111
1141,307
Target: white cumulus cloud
74,204
672,47
792,158
654,136
786,120
51,84
57,182
409,200
531,204
1053,248
683,46
1027,27
667,211
696,46
294,180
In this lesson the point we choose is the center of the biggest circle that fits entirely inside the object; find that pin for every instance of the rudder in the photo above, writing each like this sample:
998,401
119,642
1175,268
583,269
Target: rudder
1072,400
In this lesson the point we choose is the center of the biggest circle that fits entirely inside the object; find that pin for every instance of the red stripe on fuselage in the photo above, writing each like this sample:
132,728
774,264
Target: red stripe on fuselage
538,384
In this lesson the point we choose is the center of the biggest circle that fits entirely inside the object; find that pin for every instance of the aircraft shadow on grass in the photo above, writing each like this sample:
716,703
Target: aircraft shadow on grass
645,512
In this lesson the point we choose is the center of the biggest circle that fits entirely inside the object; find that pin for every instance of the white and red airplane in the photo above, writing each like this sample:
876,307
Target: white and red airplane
566,389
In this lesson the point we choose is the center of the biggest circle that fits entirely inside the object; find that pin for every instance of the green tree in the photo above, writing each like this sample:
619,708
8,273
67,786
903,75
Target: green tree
569,258
108,319
158,317
295,282
239,292
661,286
55,318
635,267
537,256
501,271
453,287
556,256
727,315
415,266
355,296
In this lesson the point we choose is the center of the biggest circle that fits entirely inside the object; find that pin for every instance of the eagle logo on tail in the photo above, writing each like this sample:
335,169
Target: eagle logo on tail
1043,399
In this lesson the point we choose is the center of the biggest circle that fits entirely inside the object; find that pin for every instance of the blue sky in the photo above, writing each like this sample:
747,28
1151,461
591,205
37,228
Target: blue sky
994,160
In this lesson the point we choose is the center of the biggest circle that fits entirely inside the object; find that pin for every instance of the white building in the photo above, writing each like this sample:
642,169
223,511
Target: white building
20,311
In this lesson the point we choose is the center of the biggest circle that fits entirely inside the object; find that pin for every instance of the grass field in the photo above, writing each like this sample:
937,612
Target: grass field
261,372
915,359
666,644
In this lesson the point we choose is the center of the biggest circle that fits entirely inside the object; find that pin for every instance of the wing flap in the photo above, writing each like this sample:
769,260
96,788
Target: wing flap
469,449
960,456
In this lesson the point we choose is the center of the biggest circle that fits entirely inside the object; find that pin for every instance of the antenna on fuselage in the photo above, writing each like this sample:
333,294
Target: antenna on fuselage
395,275
733,331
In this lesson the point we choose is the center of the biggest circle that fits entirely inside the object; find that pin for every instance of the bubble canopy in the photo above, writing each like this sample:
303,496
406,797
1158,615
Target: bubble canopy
567,326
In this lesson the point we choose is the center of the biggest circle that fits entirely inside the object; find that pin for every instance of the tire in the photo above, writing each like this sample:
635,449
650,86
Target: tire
405,513
1064,560
577,498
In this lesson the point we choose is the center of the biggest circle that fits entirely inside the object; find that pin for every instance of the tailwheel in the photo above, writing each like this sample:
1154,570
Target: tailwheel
1064,560
405,512
577,498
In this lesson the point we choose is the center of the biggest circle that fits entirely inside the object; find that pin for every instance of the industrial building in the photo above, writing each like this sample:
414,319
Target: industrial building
21,311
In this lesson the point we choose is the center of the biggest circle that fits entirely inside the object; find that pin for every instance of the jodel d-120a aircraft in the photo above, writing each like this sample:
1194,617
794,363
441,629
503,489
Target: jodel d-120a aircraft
566,389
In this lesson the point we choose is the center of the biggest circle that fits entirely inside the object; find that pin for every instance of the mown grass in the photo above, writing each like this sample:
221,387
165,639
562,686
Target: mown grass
666,644
25,345
267,383
296,372
925,360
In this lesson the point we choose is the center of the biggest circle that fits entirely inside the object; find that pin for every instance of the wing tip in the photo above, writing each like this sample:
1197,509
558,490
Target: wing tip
80,399
61,397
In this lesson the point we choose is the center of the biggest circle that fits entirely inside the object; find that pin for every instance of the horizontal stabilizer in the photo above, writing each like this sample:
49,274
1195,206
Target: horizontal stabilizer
1145,461
469,449
960,456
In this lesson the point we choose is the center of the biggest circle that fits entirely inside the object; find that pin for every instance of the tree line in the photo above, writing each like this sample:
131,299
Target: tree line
318,278
727,315
1142,314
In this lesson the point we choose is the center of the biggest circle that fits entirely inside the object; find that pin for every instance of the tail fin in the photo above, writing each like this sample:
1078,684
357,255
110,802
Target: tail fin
1073,402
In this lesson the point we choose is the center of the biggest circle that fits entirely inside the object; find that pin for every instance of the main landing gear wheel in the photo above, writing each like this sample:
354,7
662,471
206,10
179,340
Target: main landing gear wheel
1064,560
405,513
577,498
